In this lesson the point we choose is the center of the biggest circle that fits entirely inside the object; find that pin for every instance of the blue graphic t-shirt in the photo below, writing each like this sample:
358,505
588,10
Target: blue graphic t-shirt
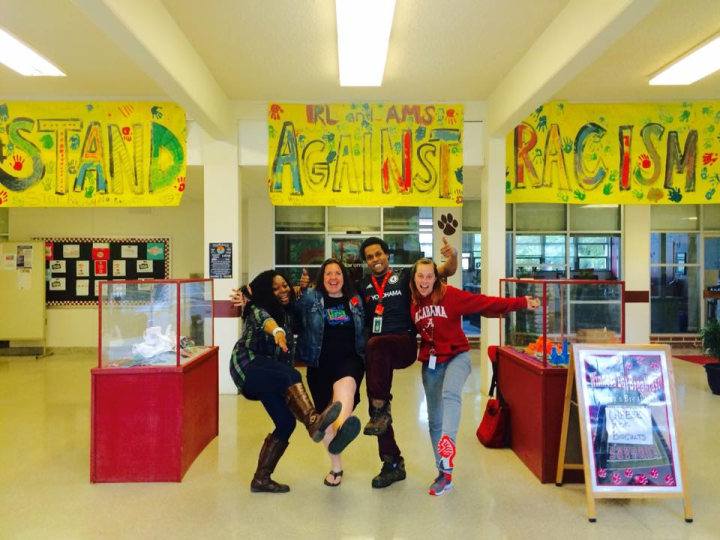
339,333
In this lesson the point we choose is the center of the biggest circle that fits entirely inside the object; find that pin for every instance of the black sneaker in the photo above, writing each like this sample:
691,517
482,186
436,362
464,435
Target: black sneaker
392,471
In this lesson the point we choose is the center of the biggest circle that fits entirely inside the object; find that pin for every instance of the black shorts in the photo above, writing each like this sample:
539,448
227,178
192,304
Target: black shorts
321,379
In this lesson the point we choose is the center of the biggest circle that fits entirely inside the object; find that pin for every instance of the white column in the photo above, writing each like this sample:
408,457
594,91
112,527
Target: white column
493,240
222,224
261,241
636,271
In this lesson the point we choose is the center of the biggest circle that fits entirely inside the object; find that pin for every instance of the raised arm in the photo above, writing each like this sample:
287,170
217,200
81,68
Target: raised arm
449,267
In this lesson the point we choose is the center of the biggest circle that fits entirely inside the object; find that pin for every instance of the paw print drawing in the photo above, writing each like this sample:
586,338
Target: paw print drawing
448,224
275,111
18,163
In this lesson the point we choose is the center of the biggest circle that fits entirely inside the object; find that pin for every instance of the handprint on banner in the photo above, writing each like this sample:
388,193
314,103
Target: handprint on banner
275,111
451,116
709,158
18,162
537,156
674,195
655,194
3,197
644,161
156,112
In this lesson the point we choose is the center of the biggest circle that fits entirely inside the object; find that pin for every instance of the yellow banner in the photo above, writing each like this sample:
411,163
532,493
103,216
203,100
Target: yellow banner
91,154
362,154
633,153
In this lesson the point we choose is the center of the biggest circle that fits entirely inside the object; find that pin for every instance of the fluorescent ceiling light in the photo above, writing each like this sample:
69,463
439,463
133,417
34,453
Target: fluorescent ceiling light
692,67
19,57
363,28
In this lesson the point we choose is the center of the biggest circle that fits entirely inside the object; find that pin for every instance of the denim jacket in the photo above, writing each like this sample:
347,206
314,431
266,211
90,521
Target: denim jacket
311,309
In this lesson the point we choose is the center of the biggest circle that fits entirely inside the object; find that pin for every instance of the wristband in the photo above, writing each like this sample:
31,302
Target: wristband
277,329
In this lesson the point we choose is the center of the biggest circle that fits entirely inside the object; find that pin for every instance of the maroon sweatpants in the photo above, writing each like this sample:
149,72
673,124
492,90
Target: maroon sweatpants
383,354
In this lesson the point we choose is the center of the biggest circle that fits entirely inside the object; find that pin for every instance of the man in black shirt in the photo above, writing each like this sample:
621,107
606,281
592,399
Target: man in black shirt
391,345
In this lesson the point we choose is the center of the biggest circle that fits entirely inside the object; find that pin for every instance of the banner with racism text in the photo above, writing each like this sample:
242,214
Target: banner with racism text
91,154
631,153
365,154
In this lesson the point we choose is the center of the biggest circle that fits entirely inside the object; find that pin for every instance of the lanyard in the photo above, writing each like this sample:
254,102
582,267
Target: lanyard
381,292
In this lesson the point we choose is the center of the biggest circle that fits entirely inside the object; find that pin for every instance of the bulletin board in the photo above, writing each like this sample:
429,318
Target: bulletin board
75,266
629,423
22,291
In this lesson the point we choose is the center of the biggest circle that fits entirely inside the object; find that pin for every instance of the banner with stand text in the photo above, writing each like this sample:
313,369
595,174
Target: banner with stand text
365,154
630,153
81,154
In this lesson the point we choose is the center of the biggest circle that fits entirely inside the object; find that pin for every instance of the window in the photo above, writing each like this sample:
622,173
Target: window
674,270
306,236
551,241
594,256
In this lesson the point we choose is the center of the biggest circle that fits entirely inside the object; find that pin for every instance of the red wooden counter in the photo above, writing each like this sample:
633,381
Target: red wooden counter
148,424
535,396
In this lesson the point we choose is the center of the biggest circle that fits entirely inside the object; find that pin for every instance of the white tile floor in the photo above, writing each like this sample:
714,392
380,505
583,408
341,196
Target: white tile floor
45,490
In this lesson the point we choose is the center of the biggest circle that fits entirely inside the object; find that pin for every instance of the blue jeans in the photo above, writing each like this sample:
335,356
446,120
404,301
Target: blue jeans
443,391
267,380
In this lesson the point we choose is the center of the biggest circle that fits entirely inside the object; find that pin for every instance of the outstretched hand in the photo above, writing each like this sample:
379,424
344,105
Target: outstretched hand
281,341
239,299
533,302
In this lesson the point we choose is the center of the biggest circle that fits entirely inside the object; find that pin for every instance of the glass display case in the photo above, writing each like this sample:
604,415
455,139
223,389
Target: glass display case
154,322
572,311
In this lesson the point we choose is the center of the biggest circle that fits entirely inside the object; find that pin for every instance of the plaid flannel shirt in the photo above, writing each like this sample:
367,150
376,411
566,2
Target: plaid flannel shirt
255,341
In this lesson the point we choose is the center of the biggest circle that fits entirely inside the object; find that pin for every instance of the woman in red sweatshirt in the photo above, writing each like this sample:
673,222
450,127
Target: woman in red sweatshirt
436,310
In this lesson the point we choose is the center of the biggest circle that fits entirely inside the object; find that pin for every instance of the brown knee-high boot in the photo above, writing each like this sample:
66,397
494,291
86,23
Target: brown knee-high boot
302,408
271,452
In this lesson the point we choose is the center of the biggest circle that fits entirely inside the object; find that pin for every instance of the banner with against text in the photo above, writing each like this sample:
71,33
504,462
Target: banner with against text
631,153
365,154
91,154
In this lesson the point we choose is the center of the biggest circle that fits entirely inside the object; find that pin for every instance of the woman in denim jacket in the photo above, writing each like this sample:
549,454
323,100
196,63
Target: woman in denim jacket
332,344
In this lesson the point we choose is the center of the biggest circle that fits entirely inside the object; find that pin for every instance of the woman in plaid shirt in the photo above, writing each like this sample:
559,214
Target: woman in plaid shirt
261,365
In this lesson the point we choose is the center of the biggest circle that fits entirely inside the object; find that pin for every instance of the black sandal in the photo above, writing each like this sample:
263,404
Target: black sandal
345,435
335,475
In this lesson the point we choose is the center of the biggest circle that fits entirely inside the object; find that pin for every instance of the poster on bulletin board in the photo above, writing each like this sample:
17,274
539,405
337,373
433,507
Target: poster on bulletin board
74,267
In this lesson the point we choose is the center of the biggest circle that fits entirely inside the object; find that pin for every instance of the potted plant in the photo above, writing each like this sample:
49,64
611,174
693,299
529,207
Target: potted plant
711,347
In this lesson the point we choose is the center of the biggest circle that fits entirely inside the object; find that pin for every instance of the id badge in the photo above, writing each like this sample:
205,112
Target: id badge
377,325
432,361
